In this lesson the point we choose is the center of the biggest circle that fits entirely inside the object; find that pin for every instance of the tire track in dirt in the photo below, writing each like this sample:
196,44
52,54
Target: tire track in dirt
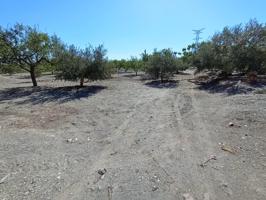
189,144
179,168
118,136
175,125
198,146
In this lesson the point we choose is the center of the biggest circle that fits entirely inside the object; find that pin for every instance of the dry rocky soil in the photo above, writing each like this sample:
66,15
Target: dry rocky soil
128,138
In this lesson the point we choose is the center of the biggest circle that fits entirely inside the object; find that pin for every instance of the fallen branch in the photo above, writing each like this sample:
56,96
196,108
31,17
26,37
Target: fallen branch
212,157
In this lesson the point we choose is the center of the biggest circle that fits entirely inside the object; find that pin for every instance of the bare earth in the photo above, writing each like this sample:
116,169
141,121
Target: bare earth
149,141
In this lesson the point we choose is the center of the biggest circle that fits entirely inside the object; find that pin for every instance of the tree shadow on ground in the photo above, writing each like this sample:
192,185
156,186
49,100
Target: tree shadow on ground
30,82
39,95
230,86
22,77
161,85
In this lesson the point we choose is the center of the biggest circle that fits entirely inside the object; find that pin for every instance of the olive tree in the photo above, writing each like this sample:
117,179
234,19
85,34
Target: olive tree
24,47
205,57
241,48
135,64
162,64
80,64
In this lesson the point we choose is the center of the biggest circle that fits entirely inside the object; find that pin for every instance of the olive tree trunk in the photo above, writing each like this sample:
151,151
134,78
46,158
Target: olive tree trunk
33,76
81,81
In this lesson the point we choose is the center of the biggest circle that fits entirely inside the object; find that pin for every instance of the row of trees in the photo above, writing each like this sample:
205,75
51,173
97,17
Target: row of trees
241,49
133,64
161,64
26,48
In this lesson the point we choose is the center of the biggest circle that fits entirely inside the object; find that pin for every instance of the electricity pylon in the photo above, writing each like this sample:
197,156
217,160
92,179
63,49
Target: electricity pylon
197,38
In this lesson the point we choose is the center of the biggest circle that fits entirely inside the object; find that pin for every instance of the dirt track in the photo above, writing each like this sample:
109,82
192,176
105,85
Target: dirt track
150,139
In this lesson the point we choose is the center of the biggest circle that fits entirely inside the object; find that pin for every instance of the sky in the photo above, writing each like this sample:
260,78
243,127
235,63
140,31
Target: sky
128,27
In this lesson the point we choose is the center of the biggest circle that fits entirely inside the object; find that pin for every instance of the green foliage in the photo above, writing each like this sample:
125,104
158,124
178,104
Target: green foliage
144,56
205,57
162,64
69,64
57,49
187,54
135,64
185,60
110,67
181,65
76,64
95,63
237,49
120,64
7,69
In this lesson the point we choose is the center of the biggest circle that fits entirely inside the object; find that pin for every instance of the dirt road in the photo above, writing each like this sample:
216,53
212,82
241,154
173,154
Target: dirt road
124,139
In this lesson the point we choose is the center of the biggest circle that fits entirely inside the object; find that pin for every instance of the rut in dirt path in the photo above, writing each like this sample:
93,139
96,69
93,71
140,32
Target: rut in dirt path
158,146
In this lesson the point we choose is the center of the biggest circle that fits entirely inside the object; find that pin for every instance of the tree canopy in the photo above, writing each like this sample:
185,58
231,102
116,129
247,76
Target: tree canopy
241,48
79,64
162,64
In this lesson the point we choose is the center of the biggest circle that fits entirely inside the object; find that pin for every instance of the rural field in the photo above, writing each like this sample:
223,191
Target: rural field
130,138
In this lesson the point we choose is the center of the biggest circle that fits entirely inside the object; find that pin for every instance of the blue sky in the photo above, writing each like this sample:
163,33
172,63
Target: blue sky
127,27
